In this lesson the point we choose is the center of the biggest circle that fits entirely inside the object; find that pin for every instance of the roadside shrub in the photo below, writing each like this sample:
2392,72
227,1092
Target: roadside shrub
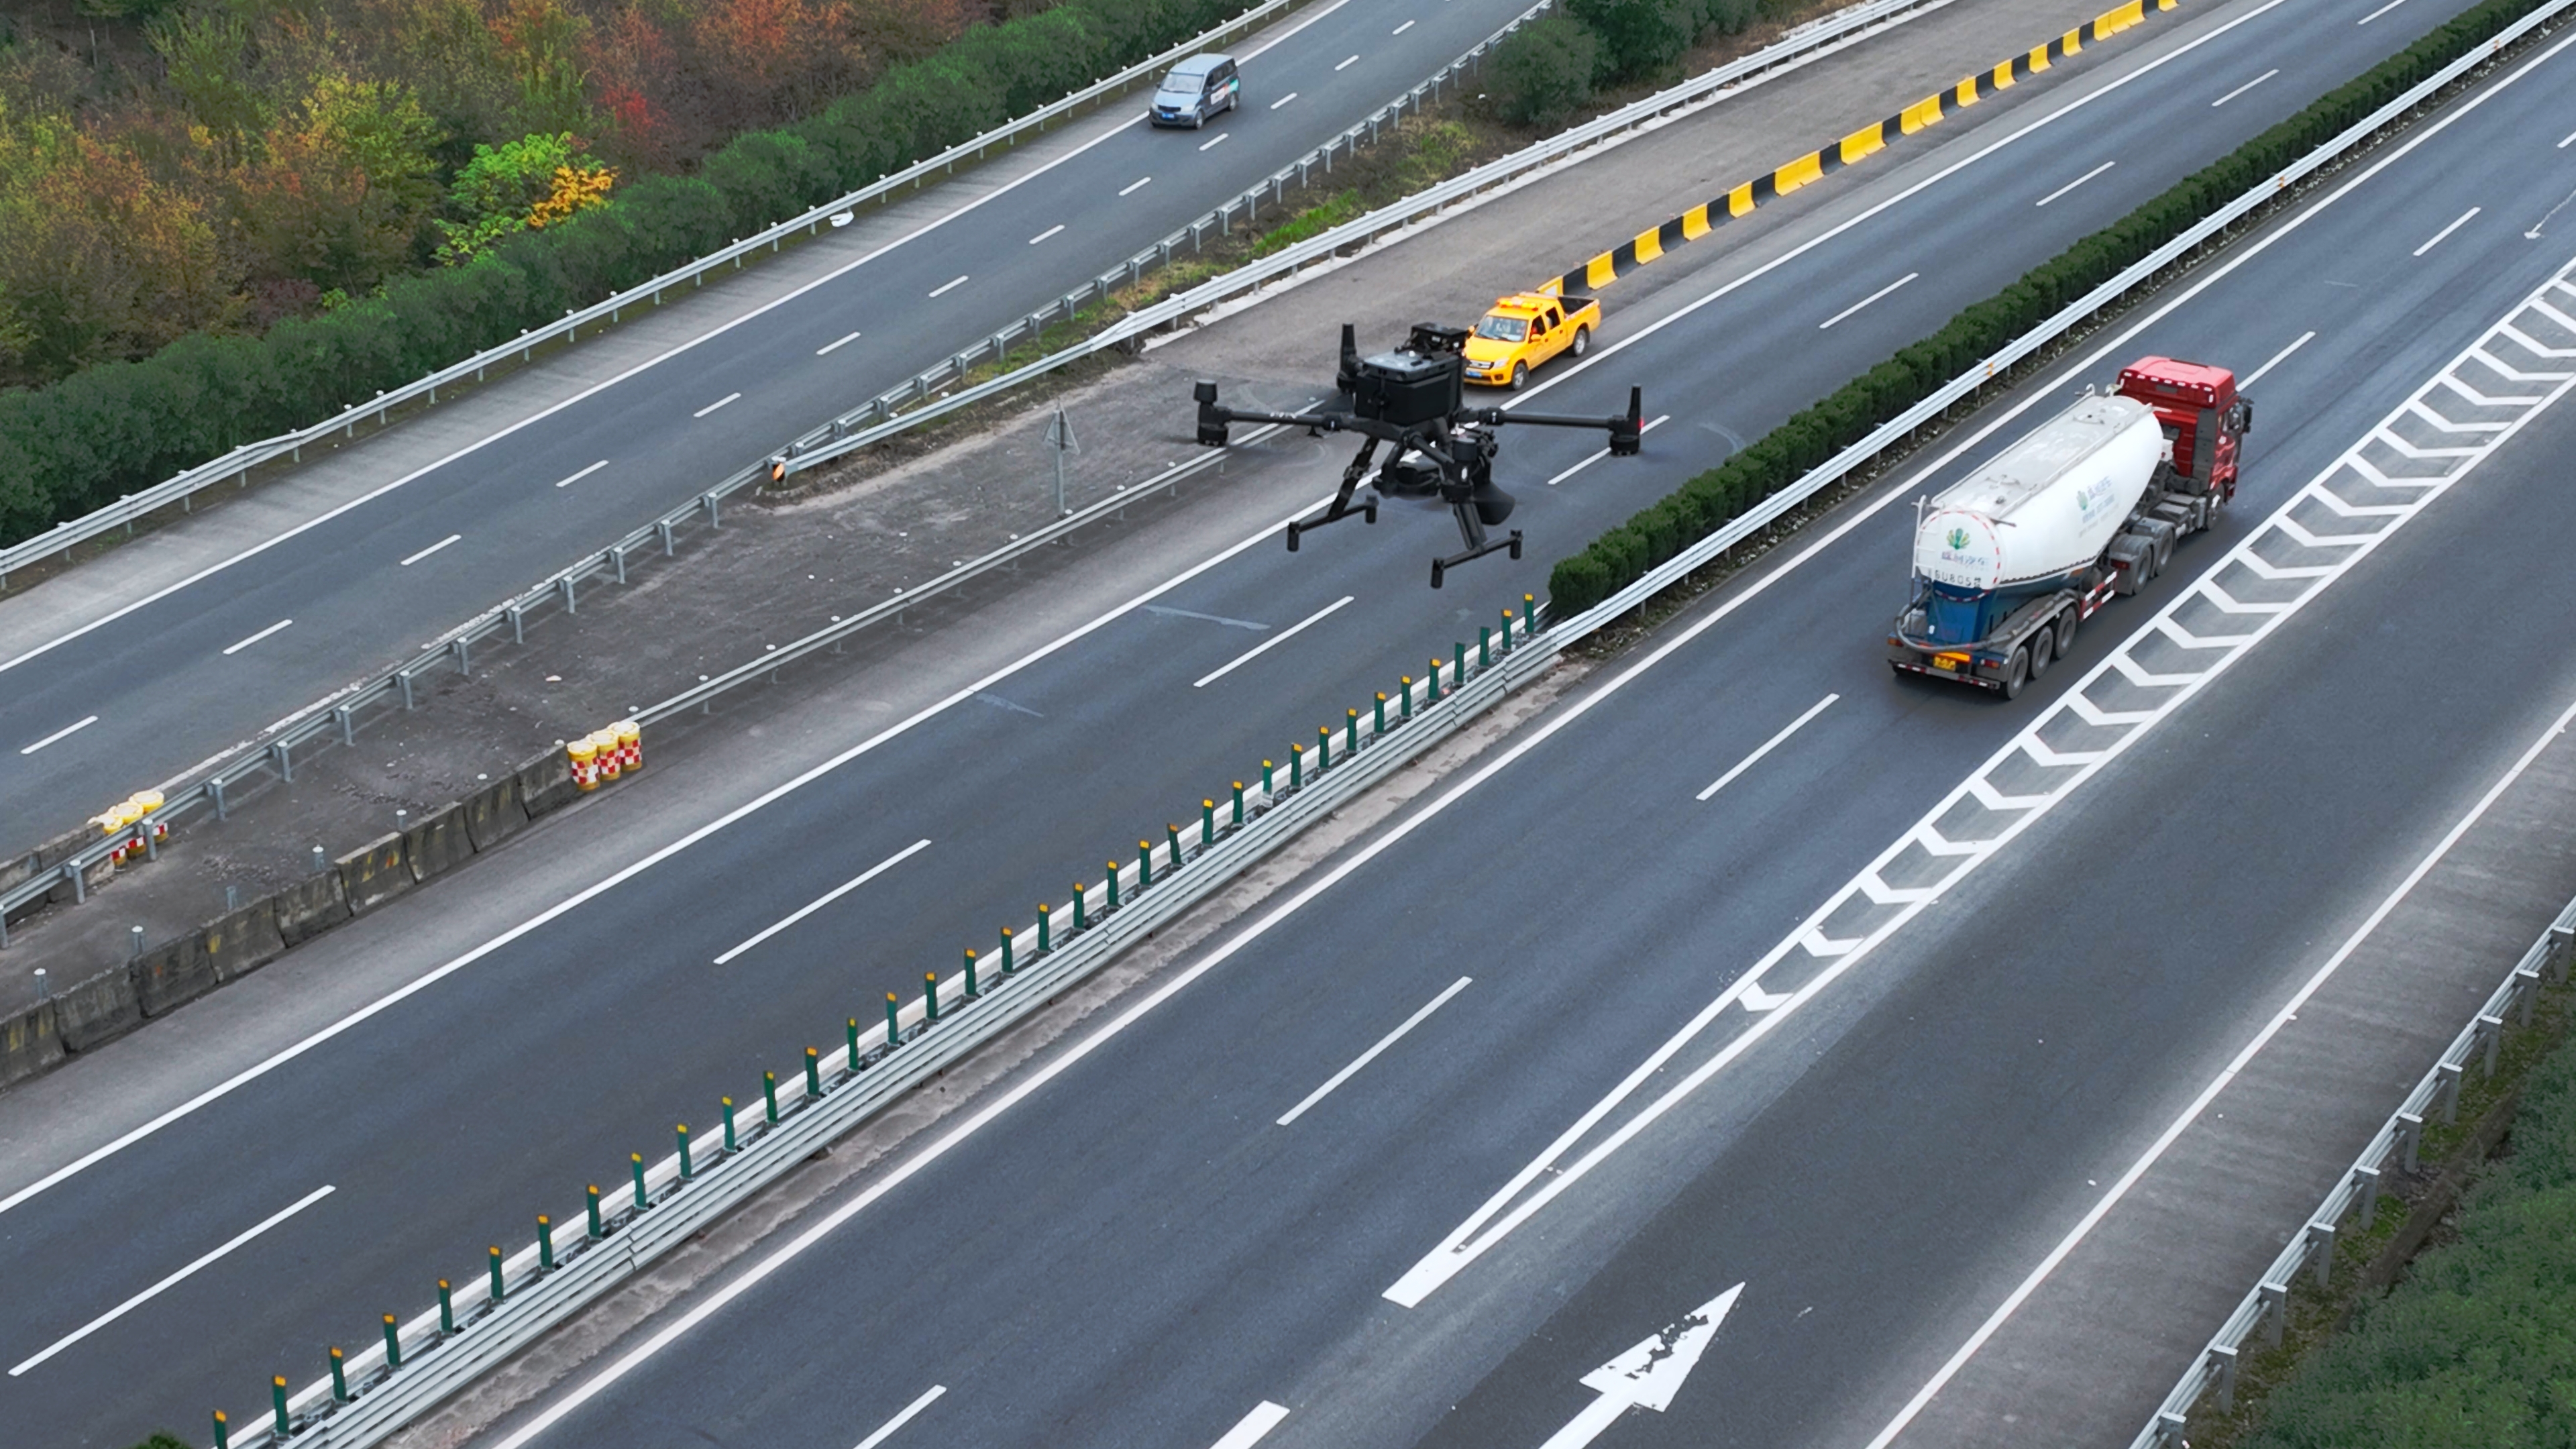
1618,558
1637,38
1543,73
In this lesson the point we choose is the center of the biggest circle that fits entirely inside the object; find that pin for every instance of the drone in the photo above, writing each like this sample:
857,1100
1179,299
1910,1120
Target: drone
1414,399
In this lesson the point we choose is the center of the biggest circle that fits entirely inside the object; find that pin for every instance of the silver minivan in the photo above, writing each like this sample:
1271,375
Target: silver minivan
1197,88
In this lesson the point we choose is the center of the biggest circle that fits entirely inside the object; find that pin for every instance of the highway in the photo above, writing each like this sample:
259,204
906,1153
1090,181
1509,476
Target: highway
181,670
1160,1236
442,1118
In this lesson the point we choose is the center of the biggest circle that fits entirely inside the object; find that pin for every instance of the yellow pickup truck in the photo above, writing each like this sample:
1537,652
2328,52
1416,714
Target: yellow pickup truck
1524,330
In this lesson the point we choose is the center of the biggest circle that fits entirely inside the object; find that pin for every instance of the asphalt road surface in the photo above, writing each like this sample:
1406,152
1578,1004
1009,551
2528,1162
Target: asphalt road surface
440,1118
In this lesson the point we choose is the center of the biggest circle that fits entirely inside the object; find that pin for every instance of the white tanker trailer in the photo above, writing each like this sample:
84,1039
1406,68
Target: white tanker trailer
2087,505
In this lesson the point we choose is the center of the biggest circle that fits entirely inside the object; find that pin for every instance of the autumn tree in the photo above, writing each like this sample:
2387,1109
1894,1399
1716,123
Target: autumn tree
343,186
533,181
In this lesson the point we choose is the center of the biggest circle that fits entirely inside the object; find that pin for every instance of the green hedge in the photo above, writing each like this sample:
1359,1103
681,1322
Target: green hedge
2477,1345
1708,502
120,427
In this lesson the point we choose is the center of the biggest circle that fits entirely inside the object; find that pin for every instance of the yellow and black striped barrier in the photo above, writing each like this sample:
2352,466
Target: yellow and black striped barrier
1700,220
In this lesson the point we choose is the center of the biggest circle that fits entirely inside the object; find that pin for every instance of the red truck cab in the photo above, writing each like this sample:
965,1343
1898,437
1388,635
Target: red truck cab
2203,418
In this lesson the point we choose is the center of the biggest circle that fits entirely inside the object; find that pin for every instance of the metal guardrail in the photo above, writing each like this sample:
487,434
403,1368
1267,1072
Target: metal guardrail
544,1284
275,751
2266,1309
240,460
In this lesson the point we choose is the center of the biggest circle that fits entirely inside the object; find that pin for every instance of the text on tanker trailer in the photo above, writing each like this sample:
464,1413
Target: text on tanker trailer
2087,505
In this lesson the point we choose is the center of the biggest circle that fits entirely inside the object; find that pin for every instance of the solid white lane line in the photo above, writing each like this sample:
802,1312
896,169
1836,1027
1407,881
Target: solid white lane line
948,286
2078,181
829,896
1865,301
1399,30
1346,65
830,347
1366,1057
148,1294
2249,85
1059,226
898,1421
2278,358
584,473
1283,100
1598,454
64,733
1210,143
433,548
1773,743
719,402
1282,637
2155,1152
2440,236
1252,1427
1268,534
2382,10
255,638
1137,184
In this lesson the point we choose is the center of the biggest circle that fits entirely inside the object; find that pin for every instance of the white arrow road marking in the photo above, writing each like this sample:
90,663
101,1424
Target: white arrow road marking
1647,1376
898,1421
1252,1427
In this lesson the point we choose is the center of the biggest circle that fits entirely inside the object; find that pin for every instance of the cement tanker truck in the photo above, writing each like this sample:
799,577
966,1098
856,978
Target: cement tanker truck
2088,505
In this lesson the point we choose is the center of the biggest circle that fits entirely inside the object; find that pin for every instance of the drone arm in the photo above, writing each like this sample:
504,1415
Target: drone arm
1626,430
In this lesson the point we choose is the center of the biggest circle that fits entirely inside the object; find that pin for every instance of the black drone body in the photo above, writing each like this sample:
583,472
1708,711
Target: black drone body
1414,398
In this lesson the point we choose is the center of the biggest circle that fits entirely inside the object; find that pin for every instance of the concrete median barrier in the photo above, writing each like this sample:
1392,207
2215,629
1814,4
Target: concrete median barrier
243,941
438,844
496,812
172,974
375,875
93,1012
545,783
307,910
28,1043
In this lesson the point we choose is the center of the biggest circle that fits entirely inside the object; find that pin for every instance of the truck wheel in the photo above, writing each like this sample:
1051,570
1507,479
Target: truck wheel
2066,623
2043,650
1520,376
1582,341
2017,674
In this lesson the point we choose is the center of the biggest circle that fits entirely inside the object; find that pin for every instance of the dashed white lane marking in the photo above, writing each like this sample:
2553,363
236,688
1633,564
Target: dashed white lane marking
1773,743
730,397
2078,181
2444,234
886,1430
1282,637
1136,185
157,1289
831,347
1366,1057
1283,100
1346,65
2143,682
1210,143
593,468
2278,358
829,896
948,286
1253,1427
1050,231
1399,30
66,732
2240,90
1865,301
2382,10
433,548
231,650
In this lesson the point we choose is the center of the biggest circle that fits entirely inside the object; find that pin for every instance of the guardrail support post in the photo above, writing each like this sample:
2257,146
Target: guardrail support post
769,1095
973,988
1269,792
1144,864
894,1027
930,995
1207,823
617,555
813,1087
446,1308
339,1377
1529,615
518,624
348,730
2276,1310
2368,1178
1296,767
854,1044
591,1201
546,1243
1406,686
285,759
1432,684
2450,1073
1044,945
1079,923
464,660
643,1200
565,586
2410,1133
403,676
728,1119
1484,647
1008,965
2491,1028
688,1169
2321,1240
393,1343
1323,748
1112,902
277,1398
1238,802
664,529
223,1431
499,1291
2169,1428
1351,730
1458,675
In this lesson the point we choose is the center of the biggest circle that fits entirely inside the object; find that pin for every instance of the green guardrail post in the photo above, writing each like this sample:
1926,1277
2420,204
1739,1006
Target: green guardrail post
769,1095
972,989
1008,965
1458,669
1296,767
545,1243
930,995
894,1026
1484,647
1351,730
1507,631
223,1431
1207,823
688,1169
728,1115
1529,615
635,1161
1144,864
1079,897
1172,835
393,1343
1044,945
854,1043
1268,790
1432,685
1406,685
499,1291
1238,802
277,1397
596,1231
446,1308
1381,711
813,1075
339,1377
1113,885
1323,748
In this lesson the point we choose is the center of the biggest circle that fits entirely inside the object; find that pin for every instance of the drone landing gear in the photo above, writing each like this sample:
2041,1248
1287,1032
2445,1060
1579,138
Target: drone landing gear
1334,512
1472,529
